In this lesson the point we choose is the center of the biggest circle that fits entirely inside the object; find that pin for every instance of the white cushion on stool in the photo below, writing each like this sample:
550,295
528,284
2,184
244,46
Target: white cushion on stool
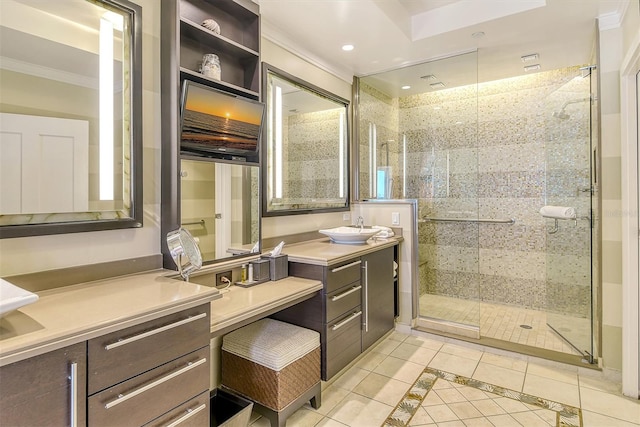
271,343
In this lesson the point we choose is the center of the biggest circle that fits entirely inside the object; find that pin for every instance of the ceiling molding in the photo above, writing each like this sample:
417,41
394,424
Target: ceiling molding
35,70
609,21
613,20
274,35
465,14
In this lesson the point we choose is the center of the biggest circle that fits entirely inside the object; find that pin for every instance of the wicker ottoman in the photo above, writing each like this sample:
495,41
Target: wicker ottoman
275,364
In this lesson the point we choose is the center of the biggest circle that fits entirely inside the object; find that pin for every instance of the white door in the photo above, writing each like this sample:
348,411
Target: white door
44,165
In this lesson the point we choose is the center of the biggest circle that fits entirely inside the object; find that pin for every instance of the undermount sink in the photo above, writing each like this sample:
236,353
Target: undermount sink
13,297
350,235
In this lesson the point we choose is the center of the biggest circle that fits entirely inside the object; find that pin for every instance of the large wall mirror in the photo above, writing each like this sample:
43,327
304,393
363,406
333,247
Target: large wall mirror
220,206
70,116
305,147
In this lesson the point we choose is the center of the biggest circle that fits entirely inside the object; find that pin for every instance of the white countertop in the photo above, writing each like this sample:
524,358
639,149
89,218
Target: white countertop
240,304
325,252
72,314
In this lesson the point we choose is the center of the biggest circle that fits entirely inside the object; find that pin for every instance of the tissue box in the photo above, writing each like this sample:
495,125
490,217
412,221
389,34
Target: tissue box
278,266
260,270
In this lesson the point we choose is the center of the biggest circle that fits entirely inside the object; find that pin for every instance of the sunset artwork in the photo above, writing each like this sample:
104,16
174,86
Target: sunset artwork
214,121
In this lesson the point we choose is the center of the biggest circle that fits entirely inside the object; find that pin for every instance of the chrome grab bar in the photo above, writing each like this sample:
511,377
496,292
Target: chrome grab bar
474,220
200,222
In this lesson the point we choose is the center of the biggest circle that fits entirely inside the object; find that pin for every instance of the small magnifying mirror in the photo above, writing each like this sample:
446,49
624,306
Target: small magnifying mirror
184,251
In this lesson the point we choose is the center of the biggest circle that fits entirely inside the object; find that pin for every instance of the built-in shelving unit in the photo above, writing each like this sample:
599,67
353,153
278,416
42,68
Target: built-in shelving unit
237,45
184,43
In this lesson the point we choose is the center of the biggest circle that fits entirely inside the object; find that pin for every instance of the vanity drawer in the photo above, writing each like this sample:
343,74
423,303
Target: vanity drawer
118,356
350,323
343,300
342,274
151,394
344,343
191,413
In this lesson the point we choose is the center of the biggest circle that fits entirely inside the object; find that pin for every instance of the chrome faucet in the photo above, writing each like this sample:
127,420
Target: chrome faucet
360,223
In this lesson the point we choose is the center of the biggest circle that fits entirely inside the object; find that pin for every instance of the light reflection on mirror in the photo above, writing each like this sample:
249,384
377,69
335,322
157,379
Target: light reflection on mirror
67,127
220,207
306,140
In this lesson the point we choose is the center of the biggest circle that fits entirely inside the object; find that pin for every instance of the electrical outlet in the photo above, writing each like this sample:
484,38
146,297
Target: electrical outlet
219,278
346,216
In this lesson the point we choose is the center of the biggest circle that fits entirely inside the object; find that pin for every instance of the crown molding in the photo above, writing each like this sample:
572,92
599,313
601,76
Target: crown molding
276,36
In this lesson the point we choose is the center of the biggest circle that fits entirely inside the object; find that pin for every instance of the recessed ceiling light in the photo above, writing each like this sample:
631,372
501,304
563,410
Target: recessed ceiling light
437,85
429,77
532,67
478,34
347,47
405,87
529,58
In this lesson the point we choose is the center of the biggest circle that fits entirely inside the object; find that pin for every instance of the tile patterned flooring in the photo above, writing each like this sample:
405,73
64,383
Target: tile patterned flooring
367,393
503,322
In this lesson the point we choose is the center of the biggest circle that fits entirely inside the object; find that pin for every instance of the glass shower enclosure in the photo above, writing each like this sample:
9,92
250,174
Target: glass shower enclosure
482,157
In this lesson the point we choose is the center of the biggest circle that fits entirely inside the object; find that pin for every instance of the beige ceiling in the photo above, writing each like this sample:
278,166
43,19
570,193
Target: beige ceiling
390,34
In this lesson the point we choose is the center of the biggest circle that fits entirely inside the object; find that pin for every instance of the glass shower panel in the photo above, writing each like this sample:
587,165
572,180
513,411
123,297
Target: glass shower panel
421,143
568,241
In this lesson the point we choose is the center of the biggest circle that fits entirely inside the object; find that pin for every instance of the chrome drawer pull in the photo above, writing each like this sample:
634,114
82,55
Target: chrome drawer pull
124,397
344,267
365,270
154,331
190,413
73,402
344,294
345,321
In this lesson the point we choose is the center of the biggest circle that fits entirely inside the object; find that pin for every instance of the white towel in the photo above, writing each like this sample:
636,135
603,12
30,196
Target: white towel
558,212
384,231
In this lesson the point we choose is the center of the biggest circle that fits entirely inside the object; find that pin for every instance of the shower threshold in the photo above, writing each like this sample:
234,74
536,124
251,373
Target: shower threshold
496,325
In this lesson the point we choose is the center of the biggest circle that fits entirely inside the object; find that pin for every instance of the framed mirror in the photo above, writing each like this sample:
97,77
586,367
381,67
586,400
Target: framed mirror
220,207
70,116
305,147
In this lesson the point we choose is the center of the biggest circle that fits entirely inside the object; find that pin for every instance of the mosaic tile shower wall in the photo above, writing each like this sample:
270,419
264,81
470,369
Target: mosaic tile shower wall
310,143
495,151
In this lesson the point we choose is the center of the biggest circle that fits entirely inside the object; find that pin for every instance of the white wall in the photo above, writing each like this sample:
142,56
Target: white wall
31,254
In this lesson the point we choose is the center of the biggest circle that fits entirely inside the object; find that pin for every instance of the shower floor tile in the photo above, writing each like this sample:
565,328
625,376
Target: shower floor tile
504,322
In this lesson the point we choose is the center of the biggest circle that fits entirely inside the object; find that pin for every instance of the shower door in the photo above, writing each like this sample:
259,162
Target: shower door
569,183
440,134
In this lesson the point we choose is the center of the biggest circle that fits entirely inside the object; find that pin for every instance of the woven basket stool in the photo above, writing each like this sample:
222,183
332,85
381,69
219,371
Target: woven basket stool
276,365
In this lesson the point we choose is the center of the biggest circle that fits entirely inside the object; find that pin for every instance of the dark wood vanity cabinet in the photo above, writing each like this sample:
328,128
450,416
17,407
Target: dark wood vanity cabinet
154,373
378,297
138,374
45,390
354,309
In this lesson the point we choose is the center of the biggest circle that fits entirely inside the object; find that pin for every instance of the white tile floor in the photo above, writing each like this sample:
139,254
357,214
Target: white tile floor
367,393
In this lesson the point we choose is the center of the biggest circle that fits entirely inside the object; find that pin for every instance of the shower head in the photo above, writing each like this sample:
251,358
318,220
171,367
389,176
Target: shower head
560,115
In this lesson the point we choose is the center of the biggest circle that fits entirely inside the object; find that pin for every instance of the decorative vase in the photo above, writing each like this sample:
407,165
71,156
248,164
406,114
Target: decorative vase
211,66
